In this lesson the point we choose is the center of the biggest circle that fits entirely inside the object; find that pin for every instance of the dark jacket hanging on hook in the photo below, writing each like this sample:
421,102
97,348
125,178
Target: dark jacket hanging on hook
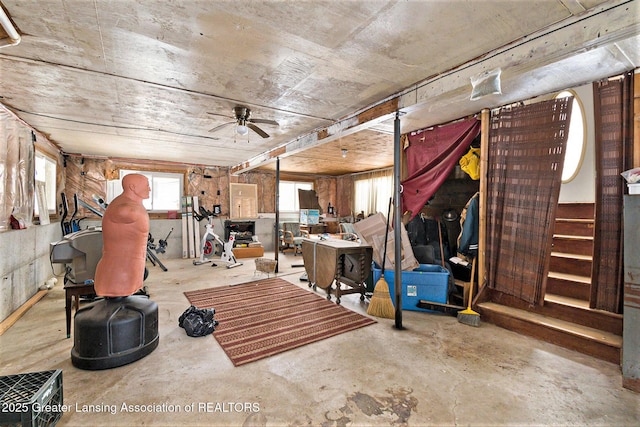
468,239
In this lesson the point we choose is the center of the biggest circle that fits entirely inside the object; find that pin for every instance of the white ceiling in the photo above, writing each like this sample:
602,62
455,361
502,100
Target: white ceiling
138,79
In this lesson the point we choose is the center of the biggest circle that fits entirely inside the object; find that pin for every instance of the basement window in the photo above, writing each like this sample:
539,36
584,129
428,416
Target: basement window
577,139
372,191
166,190
45,178
288,202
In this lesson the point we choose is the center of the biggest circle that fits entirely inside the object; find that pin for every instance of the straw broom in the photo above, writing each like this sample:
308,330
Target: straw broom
381,304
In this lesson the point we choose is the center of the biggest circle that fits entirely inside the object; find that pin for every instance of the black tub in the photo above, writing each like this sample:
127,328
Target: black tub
114,332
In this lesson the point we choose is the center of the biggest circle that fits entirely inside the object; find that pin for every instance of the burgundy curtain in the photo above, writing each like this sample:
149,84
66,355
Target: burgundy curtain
526,156
431,156
613,105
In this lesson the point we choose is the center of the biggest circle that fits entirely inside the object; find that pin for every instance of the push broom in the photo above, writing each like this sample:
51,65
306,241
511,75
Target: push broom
468,316
436,306
381,304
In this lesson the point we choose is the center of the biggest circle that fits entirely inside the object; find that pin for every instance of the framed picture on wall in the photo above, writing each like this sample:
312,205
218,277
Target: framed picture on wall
244,201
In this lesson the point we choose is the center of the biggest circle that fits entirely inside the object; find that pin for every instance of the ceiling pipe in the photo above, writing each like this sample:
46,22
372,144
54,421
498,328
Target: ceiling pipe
7,25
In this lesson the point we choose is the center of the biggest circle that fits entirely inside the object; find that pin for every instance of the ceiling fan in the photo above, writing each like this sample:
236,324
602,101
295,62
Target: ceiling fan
244,122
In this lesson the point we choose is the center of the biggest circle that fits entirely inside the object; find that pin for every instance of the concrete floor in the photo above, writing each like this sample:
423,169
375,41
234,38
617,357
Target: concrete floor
435,372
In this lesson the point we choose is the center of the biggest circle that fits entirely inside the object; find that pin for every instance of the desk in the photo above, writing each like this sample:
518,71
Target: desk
72,290
313,228
338,262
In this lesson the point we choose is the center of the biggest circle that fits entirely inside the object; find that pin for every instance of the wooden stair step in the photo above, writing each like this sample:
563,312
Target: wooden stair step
571,263
569,285
562,325
577,311
573,237
570,277
600,344
572,256
579,245
576,210
579,227
571,302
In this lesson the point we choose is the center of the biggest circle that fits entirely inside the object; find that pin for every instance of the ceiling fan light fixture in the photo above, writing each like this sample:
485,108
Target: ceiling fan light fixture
243,122
242,130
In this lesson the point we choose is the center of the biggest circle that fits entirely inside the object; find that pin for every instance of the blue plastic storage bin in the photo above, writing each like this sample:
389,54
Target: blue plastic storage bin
427,282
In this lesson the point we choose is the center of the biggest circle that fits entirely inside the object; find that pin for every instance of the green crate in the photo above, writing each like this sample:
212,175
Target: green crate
32,399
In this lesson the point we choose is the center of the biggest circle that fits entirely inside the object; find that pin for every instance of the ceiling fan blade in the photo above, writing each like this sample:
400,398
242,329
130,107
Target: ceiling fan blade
221,126
265,121
257,130
221,115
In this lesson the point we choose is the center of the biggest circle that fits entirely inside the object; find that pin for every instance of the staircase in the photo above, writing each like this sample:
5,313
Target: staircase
571,252
565,318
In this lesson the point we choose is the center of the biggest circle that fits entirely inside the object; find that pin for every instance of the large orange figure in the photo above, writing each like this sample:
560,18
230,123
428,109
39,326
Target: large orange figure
125,229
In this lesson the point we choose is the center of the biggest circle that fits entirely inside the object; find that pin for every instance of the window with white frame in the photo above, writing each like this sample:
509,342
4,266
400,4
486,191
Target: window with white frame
372,191
45,173
166,190
288,202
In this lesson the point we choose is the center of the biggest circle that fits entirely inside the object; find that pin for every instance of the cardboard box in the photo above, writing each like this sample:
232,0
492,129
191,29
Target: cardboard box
254,252
371,231
427,282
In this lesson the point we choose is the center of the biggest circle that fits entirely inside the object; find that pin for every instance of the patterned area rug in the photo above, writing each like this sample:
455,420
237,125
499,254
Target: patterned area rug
270,316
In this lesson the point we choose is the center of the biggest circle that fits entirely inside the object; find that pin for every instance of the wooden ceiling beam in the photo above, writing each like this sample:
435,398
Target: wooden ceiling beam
347,126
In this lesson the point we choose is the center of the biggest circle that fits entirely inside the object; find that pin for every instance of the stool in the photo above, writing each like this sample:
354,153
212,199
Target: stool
75,290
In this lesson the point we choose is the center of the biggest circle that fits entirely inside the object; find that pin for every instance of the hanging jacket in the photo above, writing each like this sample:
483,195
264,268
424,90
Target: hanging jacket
468,239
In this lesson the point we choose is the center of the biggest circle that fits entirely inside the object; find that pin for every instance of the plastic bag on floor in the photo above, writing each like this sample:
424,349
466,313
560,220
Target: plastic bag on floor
198,322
